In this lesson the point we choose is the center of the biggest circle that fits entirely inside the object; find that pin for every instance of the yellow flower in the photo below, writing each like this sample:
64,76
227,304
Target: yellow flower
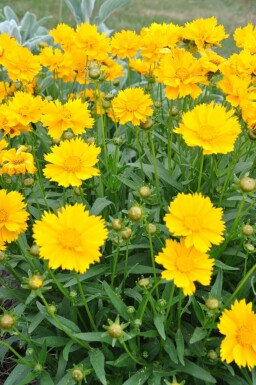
22,65
193,216
181,73
73,114
71,239
204,33
13,217
3,145
239,327
140,66
211,127
210,60
125,44
156,37
7,45
72,162
11,126
185,265
64,35
25,108
17,162
132,105
242,65
245,37
60,63
237,88
96,45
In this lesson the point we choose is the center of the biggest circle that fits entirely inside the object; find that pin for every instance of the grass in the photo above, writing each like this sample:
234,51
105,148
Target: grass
230,13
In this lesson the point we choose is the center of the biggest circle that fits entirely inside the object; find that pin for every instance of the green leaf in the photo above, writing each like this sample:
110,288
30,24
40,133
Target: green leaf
170,349
35,322
97,360
87,7
140,377
66,350
51,341
109,7
10,14
18,374
223,266
196,371
94,337
198,310
99,206
116,301
216,289
45,379
29,377
159,324
180,346
121,362
198,335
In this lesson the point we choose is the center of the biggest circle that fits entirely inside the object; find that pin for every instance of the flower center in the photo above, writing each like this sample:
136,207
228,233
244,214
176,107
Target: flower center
182,73
192,223
18,160
3,215
184,264
244,336
66,114
72,163
207,133
70,238
132,105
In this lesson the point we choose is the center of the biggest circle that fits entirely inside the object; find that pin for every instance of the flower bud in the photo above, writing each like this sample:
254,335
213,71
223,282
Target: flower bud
52,308
116,82
130,309
55,141
115,330
147,124
29,351
68,135
77,374
2,256
252,134
38,368
90,140
6,321
137,323
212,355
174,111
212,303
34,250
247,184
78,191
249,247
73,293
135,213
35,282
161,302
126,233
8,180
116,224
106,104
247,230
151,228
145,192
158,104
145,354
94,73
28,182
144,282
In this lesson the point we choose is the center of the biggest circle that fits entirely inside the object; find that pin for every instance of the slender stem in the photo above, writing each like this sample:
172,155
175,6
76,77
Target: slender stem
132,356
89,314
146,300
155,167
70,335
179,308
200,173
169,305
23,360
152,258
115,264
125,264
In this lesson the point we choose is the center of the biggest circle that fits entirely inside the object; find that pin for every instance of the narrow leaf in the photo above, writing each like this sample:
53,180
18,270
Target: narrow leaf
159,324
97,360
180,346
116,301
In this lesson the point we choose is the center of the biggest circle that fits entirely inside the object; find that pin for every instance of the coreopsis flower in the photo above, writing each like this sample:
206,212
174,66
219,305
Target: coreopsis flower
125,44
24,108
3,145
70,239
72,162
139,65
17,162
181,73
248,109
13,216
64,35
194,217
96,45
185,265
156,37
239,327
22,65
9,125
242,65
74,114
245,37
7,45
132,105
204,33
58,62
211,127
210,60
237,89
111,69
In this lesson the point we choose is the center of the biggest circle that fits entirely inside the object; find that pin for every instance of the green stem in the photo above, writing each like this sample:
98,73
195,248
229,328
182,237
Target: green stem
115,264
83,344
169,305
152,258
85,304
131,356
125,265
155,167
23,361
146,301
179,308
200,173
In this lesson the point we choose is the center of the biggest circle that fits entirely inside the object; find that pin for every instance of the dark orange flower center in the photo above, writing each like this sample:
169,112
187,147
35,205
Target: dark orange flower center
72,164
69,238
3,215
192,223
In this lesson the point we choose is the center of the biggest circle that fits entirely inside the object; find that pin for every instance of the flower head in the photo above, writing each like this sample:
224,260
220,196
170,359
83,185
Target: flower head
132,105
125,44
71,239
246,38
13,216
193,216
204,33
72,162
239,327
185,265
16,162
211,127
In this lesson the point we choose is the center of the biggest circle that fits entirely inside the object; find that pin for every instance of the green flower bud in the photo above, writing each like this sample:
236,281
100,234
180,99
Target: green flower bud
247,230
6,321
247,184
147,124
212,303
94,73
151,228
28,182
34,250
212,355
116,224
77,374
145,192
126,233
115,330
35,282
68,135
135,213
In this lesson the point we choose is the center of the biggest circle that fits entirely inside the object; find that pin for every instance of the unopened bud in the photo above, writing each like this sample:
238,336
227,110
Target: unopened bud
212,303
94,73
34,250
35,282
115,330
145,192
6,321
116,224
247,184
135,213
247,230
147,124
68,135
144,282
28,182
126,233
77,374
